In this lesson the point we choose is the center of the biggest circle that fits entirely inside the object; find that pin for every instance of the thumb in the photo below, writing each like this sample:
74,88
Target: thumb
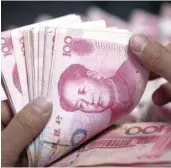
23,128
153,55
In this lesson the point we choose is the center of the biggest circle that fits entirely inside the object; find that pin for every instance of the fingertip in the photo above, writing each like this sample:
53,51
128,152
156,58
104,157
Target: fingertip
137,44
154,56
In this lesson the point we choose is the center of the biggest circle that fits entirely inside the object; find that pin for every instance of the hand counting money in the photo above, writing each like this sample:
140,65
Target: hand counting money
83,67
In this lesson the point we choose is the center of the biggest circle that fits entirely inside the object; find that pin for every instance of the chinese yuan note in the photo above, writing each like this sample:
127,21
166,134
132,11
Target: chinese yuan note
20,66
95,13
145,23
95,83
86,25
19,50
165,24
10,71
43,66
146,144
3,95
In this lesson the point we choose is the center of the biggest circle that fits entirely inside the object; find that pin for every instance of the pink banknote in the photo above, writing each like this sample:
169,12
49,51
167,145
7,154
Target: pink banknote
144,22
10,72
42,56
14,69
49,57
165,23
35,34
95,83
3,95
87,25
95,13
19,51
138,144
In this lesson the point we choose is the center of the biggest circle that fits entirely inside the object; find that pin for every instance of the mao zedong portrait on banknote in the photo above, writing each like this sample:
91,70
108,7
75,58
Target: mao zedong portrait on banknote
85,90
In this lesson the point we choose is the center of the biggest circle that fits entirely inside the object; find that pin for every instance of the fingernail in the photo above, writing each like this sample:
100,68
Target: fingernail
42,104
138,42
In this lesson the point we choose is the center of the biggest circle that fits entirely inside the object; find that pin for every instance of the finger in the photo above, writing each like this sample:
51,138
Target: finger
162,95
6,113
23,128
153,55
23,160
153,76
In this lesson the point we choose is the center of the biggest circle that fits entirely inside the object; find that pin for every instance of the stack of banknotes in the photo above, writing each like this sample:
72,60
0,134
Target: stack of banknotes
85,68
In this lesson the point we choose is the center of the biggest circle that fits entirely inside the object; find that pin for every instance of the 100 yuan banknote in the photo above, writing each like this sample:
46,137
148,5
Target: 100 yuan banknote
138,144
95,83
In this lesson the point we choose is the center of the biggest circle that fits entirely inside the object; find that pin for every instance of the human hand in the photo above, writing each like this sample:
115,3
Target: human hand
21,130
157,59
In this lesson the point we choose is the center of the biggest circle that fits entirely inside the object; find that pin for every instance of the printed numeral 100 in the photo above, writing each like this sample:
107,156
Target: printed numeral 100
67,46
6,46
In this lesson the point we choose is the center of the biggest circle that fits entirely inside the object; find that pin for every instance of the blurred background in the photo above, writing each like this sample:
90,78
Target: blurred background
16,14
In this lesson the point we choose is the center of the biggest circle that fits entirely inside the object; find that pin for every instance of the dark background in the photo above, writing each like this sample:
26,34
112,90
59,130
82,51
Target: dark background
22,13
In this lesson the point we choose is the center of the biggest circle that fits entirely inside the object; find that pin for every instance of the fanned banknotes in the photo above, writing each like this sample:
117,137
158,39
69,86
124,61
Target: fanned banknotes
85,68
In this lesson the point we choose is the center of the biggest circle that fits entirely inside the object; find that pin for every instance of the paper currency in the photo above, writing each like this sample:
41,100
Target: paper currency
93,81
87,25
19,52
138,144
165,24
9,72
95,13
82,84
15,73
104,92
41,48
140,21
3,95
145,23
